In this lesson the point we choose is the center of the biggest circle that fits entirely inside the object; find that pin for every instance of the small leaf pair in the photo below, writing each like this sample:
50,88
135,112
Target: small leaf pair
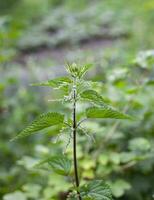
77,71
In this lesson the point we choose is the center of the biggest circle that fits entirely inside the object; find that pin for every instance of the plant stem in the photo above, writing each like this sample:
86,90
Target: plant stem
74,142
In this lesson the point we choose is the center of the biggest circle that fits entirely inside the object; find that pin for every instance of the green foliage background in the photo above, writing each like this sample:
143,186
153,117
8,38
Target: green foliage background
36,38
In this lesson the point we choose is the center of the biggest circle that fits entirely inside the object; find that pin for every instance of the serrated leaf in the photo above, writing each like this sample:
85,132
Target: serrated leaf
41,122
60,164
105,112
93,97
43,161
55,83
77,71
83,85
96,190
84,69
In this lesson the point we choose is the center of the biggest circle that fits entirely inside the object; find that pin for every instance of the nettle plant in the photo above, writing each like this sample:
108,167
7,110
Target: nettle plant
76,90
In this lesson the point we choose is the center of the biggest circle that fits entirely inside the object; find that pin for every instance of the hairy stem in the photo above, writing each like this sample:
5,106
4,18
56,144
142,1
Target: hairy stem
74,142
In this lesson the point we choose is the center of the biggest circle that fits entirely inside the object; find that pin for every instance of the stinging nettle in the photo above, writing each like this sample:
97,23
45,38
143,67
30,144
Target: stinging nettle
75,89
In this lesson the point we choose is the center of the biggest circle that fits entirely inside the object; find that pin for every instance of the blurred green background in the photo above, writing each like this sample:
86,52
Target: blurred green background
37,37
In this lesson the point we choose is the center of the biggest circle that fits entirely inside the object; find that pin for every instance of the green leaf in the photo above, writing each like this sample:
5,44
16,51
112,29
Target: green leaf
43,161
31,190
150,82
93,97
60,164
41,122
55,83
126,157
119,187
15,195
139,144
77,71
96,190
84,69
105,112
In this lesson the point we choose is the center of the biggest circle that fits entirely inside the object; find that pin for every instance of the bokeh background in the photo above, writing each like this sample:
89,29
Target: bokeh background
37,37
